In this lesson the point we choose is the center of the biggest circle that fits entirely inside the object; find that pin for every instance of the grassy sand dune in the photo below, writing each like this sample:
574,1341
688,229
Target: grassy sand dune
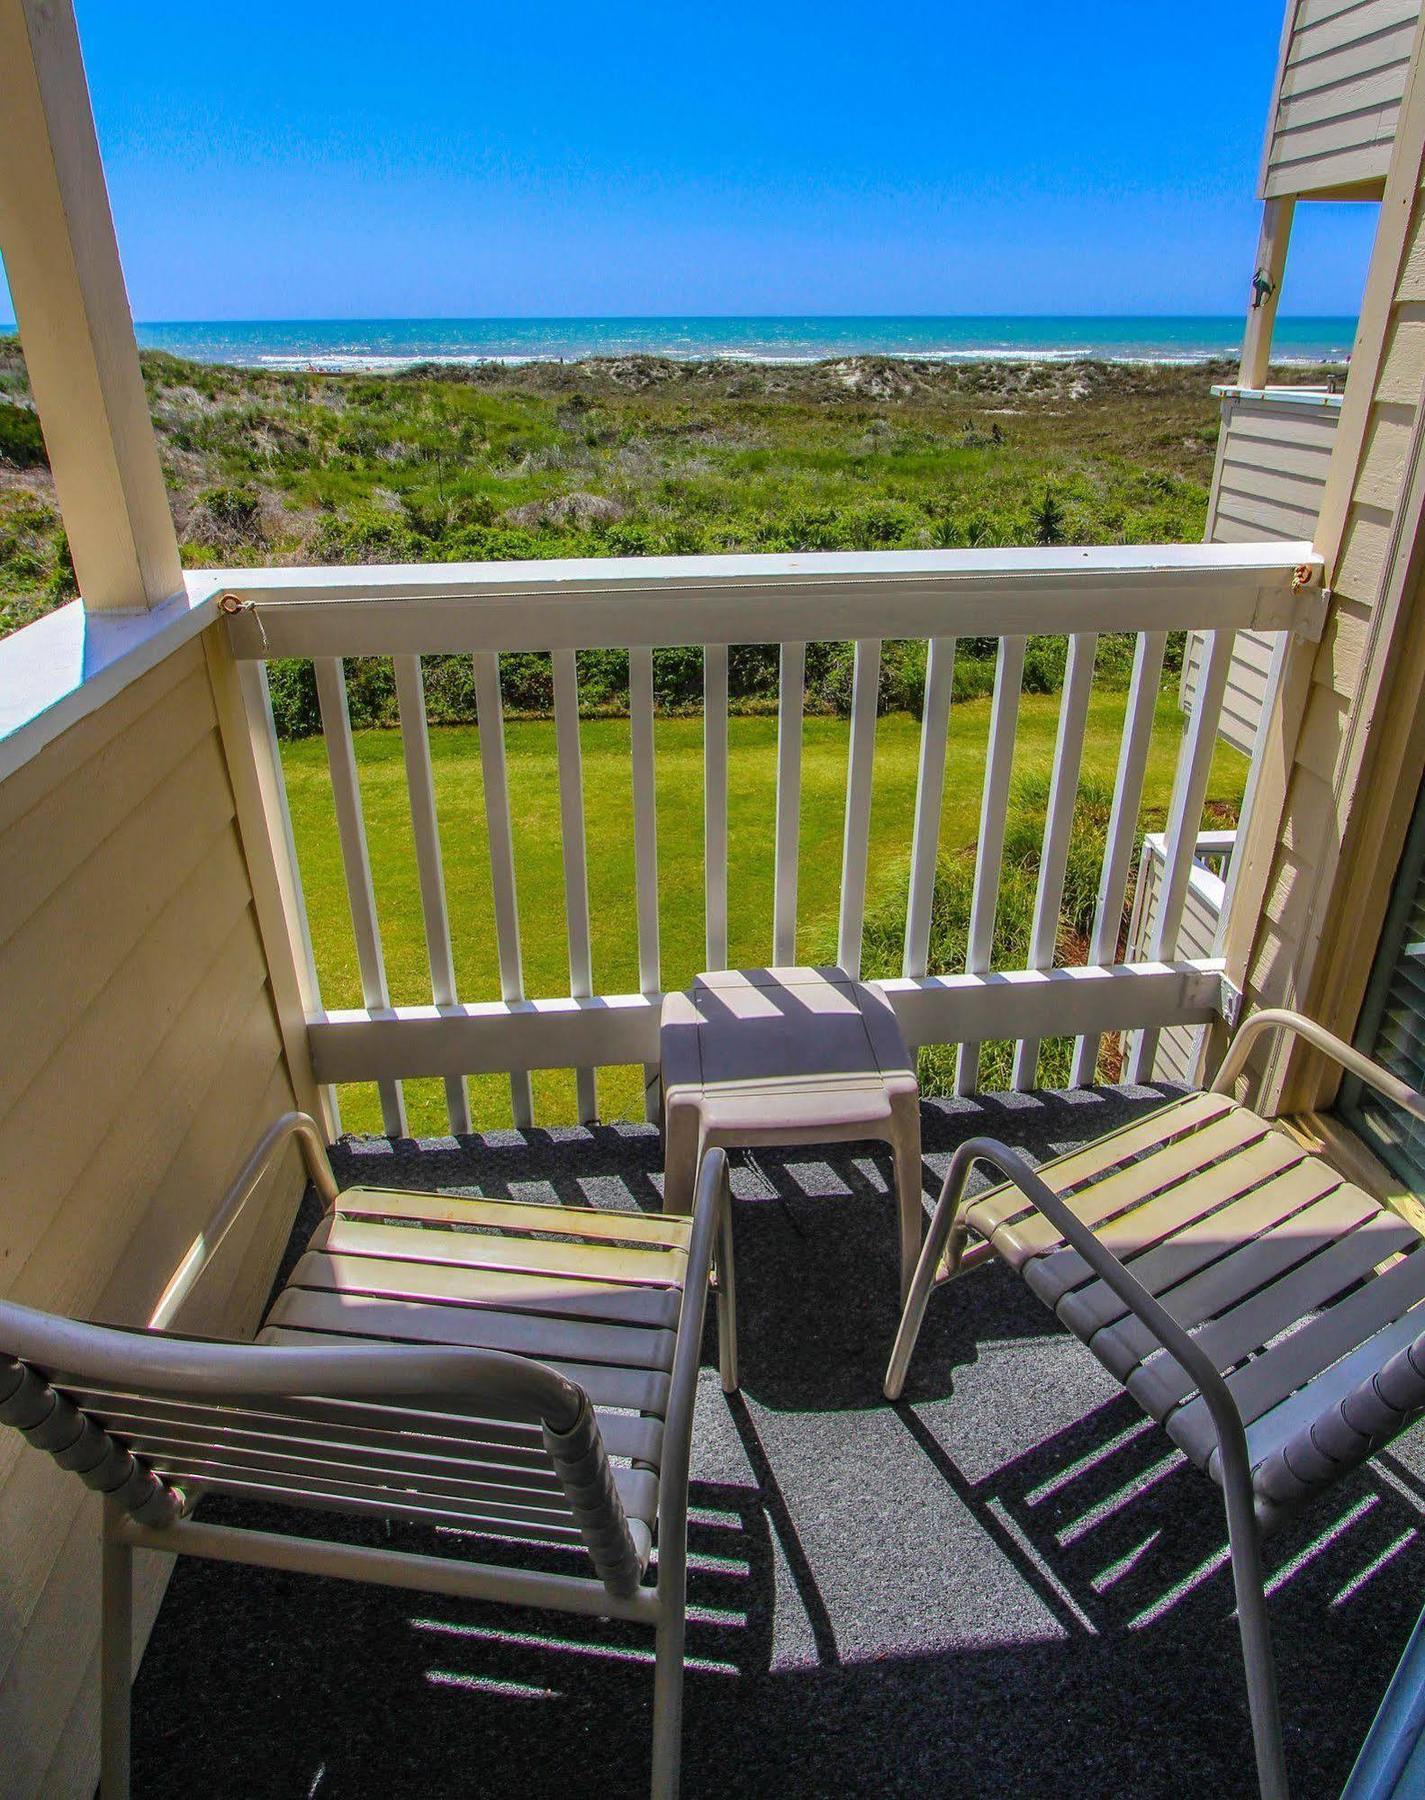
632,456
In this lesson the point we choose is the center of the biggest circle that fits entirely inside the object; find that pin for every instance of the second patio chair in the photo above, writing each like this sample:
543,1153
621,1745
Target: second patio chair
1263,1309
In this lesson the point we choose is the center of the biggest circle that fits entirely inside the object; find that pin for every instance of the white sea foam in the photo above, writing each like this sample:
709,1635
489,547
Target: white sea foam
355,362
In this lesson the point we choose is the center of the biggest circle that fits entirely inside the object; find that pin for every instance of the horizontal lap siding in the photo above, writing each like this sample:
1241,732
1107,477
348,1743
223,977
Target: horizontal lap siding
1176,1056
1338,102
141,1061
1271,472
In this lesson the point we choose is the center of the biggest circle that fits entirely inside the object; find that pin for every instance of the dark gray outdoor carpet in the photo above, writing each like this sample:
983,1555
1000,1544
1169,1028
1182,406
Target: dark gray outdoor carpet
1009,1584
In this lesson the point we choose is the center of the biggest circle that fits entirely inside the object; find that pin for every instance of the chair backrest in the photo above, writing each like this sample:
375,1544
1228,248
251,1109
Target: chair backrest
478,1440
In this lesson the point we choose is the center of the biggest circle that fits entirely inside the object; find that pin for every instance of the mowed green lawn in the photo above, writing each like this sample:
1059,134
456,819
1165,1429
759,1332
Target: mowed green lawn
534,796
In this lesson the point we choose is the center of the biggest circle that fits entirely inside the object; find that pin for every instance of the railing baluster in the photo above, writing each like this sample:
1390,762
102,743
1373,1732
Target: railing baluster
645,844
715,801
791,692
1185,820
994,809
1122,824
489,713
860,762
1058,825
351,831
576,875
420,785
929,796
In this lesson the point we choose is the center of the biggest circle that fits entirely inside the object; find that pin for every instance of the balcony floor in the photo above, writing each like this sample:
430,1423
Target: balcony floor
1008,1584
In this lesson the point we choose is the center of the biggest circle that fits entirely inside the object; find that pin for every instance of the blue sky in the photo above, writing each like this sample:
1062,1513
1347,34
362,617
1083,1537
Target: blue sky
317,160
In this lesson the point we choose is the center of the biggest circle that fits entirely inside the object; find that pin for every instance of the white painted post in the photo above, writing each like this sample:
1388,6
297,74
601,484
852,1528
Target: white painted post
1122,825
860,765
929,796
62,260
490,713
791,694
576,874
1185,821
1271,266
994,816
425,825
1058,824
254,760
645,846
715,801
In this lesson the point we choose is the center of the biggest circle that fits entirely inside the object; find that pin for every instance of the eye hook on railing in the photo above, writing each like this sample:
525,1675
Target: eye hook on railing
232,604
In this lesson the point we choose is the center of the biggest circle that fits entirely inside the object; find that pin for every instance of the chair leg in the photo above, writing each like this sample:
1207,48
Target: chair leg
726,1296
942,1228
668,1702
909,1171
115,1660
1254,1626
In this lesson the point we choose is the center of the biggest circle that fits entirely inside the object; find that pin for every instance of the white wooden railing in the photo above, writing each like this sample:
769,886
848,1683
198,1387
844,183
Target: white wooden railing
566,607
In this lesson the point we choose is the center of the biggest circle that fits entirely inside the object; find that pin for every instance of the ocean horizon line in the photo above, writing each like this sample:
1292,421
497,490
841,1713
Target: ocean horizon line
387,344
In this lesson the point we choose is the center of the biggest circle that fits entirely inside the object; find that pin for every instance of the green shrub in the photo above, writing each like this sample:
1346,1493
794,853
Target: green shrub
293,686
22,443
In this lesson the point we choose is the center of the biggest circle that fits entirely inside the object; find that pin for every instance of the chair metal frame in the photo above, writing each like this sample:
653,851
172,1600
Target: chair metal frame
213,1373
944,1255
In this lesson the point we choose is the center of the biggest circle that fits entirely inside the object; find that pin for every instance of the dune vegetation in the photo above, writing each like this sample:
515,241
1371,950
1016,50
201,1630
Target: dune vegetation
631,457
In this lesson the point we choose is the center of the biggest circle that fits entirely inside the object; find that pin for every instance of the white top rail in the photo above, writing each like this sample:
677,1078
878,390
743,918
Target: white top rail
429,608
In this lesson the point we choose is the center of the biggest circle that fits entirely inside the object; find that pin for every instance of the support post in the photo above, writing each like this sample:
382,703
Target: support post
57,237
1268,270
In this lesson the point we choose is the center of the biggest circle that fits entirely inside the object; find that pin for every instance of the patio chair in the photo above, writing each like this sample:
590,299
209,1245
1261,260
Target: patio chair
1264,1310
511,1371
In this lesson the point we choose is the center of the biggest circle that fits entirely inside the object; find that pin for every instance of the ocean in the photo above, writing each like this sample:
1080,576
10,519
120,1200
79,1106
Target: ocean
383,344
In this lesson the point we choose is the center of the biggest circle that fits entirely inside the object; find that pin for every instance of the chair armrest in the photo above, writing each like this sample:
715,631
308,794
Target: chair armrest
205,1246
1344,1055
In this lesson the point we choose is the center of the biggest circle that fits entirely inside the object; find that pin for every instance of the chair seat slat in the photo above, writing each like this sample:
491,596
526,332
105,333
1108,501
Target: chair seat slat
509,1290
1309,1352
1310,1247
516,1216
404,1321
1275,1425
1159,1383
634,1389
486,1250
1168,1123
1169,1242
1125,1189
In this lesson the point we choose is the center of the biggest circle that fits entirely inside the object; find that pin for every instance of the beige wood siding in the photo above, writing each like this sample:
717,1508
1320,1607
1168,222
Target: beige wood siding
1351,768
141,1059
1338,97
1273,455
